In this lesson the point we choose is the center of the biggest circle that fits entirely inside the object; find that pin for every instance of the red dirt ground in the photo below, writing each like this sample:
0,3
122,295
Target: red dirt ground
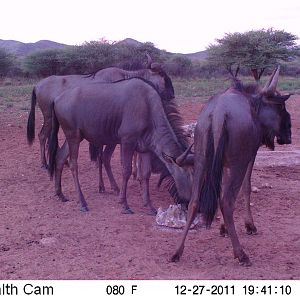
42,238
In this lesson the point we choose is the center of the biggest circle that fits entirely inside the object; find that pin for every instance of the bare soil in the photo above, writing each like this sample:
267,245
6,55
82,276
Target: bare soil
43,238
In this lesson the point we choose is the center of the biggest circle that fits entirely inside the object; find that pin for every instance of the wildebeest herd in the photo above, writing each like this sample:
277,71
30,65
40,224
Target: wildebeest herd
137,110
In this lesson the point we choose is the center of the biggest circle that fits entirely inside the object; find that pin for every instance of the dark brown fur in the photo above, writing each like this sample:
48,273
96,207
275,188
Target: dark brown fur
129,113
230,129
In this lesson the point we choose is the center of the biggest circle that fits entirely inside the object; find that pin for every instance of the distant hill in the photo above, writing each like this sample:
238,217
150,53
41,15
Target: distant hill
129,41
193,56
23,49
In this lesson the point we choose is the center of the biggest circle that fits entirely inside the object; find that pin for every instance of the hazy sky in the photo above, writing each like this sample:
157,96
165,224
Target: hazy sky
174,25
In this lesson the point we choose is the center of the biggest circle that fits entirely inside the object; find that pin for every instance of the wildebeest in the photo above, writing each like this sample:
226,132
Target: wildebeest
147,163
229,131
130,113
49,88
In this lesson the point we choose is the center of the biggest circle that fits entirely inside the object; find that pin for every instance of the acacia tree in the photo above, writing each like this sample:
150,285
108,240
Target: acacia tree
254,50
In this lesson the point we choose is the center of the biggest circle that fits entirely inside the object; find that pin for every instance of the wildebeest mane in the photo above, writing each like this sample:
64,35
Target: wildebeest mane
93,74
168,81
245,88
250,91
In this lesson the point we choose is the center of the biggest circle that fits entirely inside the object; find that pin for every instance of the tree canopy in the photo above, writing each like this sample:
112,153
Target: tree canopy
254,50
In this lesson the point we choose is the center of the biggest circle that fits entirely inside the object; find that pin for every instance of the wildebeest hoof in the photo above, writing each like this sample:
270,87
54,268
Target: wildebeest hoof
251,229
175,257
127,211
101,189
63,198
84,208
223,231
244,260
44,167
246,263
116,191
152,212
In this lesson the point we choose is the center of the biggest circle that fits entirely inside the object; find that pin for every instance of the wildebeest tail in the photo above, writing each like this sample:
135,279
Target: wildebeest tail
94,152
31,119
211,188
53,143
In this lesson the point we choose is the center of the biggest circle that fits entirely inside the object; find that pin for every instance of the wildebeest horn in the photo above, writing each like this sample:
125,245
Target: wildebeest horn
181,158
149,61
271,85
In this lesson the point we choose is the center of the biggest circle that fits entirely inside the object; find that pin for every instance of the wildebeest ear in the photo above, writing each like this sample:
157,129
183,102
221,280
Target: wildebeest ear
278,99
283,97
169,159
155,67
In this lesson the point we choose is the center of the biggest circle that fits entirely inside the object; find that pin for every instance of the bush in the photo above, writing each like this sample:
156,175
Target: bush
43,63
179,66
89,58
6,62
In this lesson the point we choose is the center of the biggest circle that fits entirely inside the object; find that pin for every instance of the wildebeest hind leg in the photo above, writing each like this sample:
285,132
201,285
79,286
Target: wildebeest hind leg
127,150
223,229
134,166
107,154
227,202
245,194
43,136
74,148
61,158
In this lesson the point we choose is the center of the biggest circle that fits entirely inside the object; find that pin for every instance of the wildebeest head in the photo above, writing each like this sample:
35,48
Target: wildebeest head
274,117
182,174
160,79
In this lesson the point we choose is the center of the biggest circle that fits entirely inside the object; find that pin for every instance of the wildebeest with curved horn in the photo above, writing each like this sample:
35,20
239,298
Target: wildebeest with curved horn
130,113
230,129
149,162
49,88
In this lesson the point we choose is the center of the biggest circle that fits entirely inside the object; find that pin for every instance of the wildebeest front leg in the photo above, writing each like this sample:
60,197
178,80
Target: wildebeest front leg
61,158
145,173
192,208
192,212
227,202
107,154
127,151
245,195
74,149
100,161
